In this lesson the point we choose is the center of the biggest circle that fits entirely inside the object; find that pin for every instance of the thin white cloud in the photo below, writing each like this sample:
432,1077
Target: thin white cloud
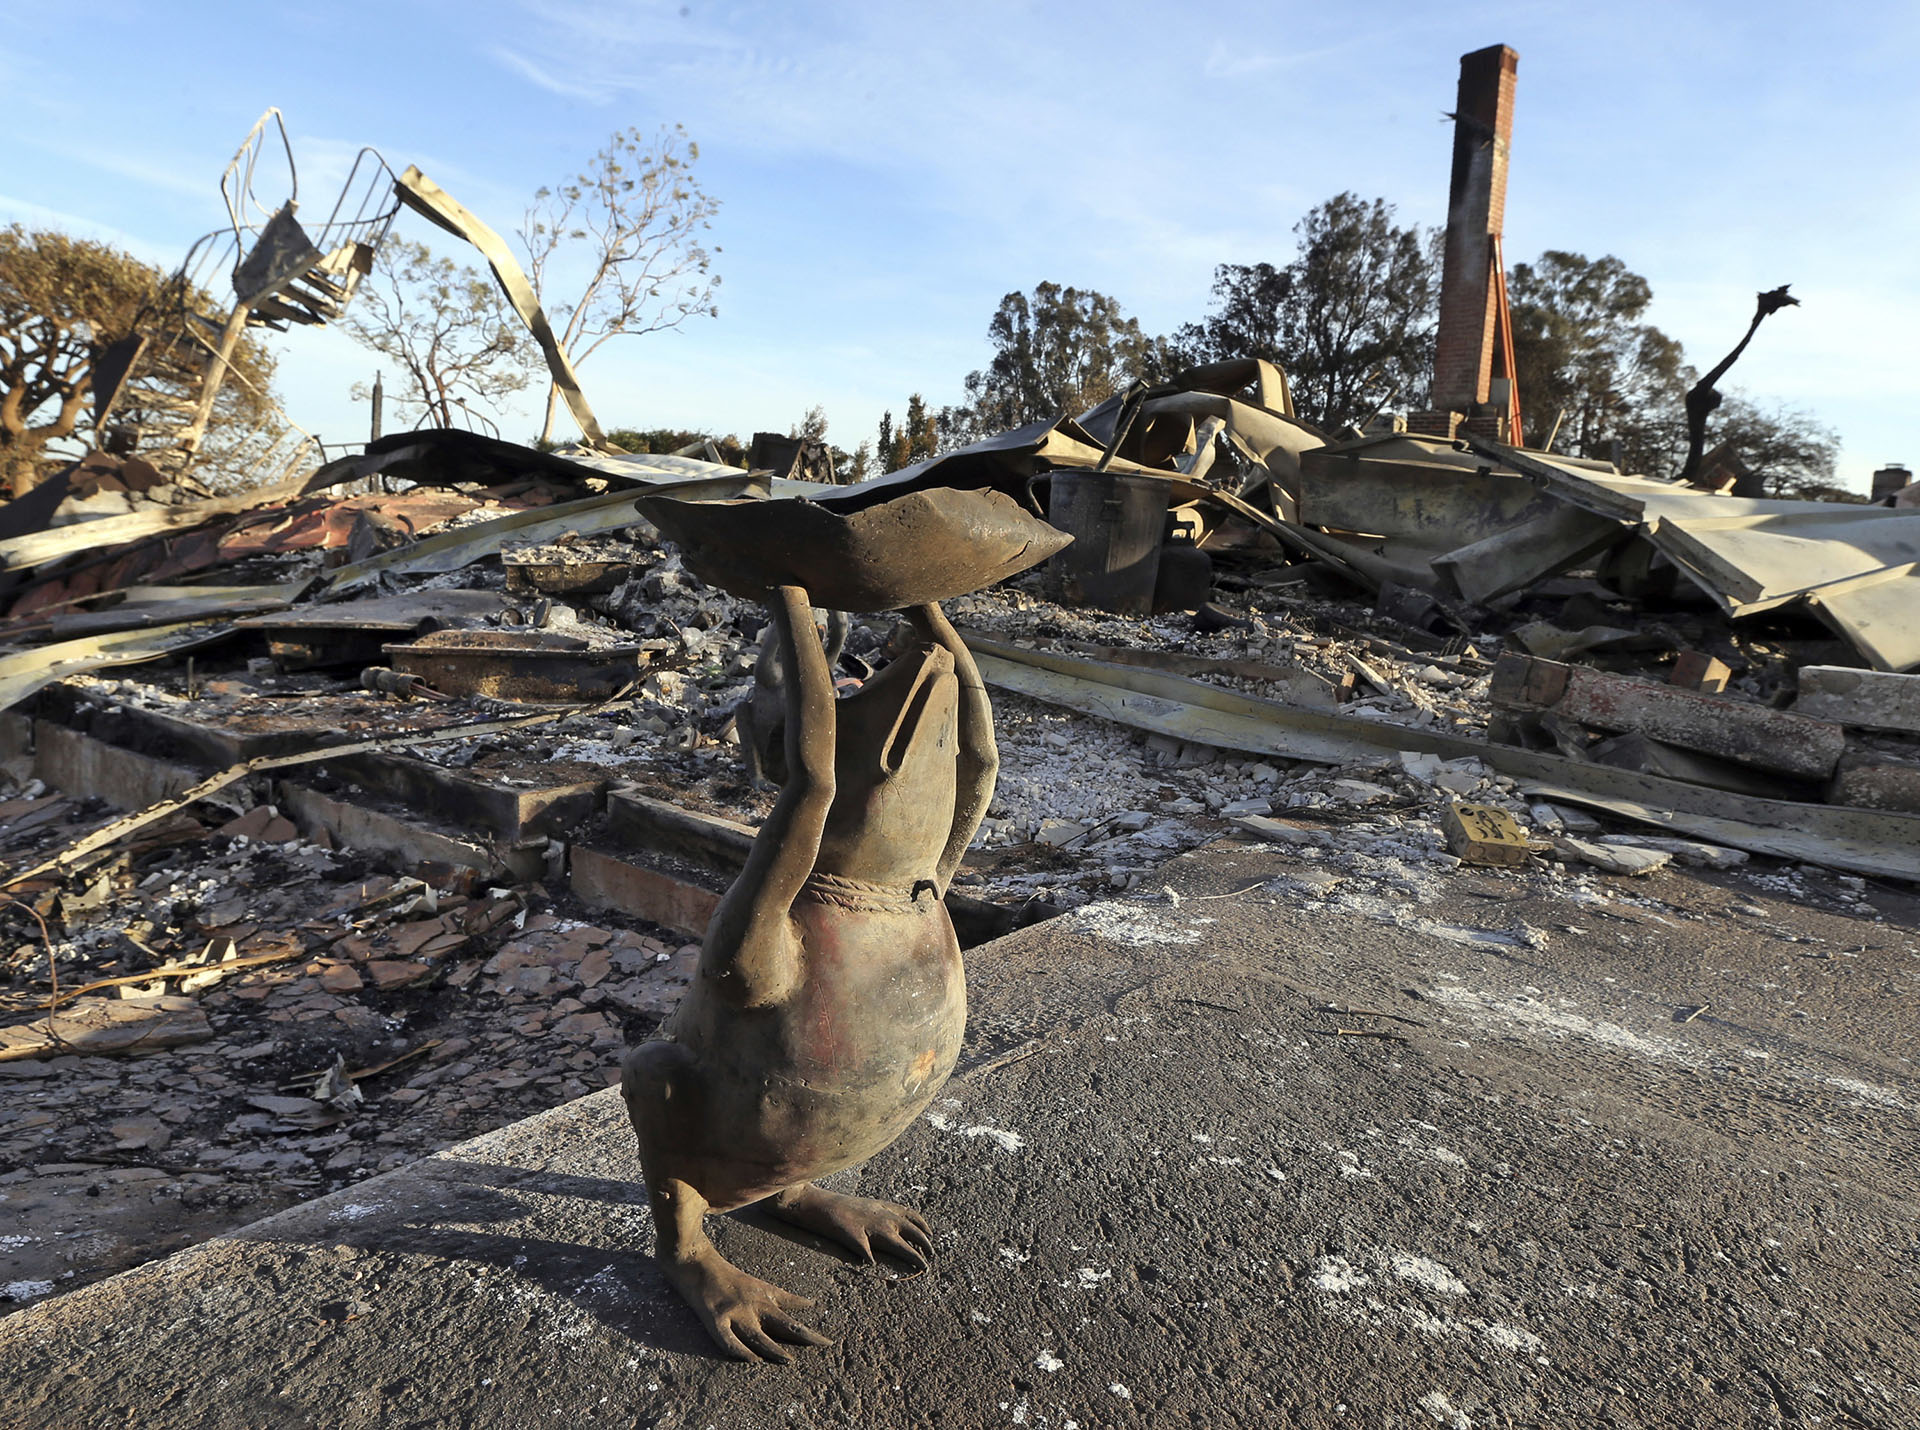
146,170
585,92
1225,61
25,211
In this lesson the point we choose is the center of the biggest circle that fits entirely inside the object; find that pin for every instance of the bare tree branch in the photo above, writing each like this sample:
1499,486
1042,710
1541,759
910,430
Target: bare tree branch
448,328
628,233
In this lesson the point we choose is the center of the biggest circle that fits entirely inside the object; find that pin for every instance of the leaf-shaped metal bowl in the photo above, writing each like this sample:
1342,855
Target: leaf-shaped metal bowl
925,546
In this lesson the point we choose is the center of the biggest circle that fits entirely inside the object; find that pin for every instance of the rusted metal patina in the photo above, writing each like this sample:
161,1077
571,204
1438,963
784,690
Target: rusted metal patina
518,665
566,578
830,999
926,546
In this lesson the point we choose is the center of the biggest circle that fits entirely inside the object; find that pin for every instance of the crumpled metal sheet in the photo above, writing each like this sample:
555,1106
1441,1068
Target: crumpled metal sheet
1430,512
1005,462
653,468
144,607
1854,565
279,255
1265,431
1269,437
427,198
40,548
1198,406
451,550
24,672
1878,614
1429,494
443,455
279,527
924,546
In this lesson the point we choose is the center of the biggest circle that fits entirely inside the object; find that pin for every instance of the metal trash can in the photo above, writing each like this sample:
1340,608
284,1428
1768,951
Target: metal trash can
1117,524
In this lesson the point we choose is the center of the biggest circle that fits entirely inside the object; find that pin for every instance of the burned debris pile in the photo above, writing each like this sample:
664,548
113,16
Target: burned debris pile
385,804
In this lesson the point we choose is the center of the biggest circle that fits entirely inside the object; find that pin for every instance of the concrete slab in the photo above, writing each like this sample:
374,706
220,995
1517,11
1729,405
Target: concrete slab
354,824
1171,1191
80,765
457,798
1874,699
680,898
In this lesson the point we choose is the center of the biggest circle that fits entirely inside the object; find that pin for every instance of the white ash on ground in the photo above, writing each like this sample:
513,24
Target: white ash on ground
1443,688
452,1008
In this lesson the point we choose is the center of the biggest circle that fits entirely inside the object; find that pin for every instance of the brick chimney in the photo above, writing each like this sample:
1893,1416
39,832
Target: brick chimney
1893,477
1471,290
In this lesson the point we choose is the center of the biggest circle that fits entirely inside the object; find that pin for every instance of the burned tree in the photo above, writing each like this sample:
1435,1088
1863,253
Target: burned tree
1703,398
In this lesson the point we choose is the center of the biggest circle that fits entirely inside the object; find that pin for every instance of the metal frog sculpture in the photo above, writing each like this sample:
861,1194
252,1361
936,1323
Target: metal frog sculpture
830,999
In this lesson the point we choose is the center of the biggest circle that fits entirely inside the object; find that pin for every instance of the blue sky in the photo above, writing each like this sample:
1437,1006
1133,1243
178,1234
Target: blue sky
887,172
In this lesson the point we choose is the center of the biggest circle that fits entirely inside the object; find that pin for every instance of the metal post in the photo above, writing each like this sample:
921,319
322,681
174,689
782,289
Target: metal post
379,403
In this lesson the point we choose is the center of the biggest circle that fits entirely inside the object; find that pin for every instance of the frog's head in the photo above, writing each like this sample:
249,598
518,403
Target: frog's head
895,748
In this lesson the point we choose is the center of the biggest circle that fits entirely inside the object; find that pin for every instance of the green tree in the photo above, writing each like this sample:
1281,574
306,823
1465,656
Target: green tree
1055,351
63,301
627,232
923,437
666,440
1350,319
813,426
1583,353
1791,451
891,460
859,465
447,326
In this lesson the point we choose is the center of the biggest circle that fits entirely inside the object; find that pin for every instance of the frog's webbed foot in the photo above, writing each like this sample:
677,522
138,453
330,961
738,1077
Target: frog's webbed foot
859,1223
747,1317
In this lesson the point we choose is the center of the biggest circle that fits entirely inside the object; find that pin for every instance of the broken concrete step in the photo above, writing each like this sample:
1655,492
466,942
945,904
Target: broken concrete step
210,746
82,766
1737,730
677,899
458,797
132,757
355,825
639,822
1871,699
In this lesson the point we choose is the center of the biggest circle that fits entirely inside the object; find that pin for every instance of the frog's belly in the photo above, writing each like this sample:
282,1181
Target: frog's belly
856,1053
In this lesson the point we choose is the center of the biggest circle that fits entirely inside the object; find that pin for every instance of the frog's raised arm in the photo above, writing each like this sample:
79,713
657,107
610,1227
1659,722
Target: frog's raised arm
979,759
749,951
